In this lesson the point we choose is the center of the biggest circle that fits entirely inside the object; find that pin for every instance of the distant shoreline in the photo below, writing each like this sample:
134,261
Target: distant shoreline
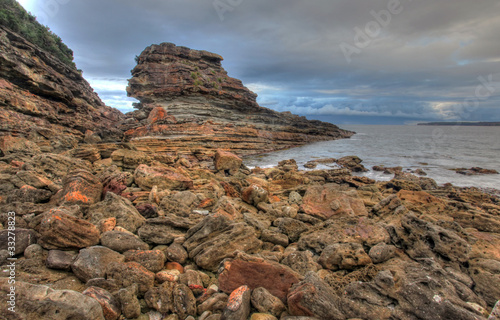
461,123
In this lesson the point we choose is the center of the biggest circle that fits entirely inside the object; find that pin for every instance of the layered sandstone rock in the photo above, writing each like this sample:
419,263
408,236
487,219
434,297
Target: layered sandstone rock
48,102
188,102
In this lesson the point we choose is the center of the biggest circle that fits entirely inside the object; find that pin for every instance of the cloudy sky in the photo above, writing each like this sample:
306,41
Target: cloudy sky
344,61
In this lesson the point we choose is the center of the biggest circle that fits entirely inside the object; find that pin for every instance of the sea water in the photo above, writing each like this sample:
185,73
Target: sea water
435,149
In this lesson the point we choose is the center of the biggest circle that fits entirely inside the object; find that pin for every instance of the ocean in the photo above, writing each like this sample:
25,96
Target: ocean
435,149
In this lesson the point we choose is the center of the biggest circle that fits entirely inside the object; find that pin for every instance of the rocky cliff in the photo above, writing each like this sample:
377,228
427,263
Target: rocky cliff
188,102
46,101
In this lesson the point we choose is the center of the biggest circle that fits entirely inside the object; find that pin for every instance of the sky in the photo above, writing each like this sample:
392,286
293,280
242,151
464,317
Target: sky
342,61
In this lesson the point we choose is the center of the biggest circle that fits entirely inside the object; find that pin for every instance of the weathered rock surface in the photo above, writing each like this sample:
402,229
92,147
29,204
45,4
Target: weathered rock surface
92,262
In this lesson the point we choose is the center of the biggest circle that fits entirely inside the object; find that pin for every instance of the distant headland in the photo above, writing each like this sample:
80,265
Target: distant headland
461,123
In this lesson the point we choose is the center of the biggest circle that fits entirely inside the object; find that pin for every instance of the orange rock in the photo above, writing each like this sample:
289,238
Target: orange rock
80,187
174,266
107,224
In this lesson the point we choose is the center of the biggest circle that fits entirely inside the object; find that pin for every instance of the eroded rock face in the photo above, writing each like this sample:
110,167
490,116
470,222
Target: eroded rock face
46,101
188,102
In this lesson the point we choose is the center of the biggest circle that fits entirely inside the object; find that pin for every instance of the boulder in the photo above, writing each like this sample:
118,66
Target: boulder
227,162
153,260
301,262
62,231
126,274
122,241
184,301
92,262
114,206
265,302
332,200
129,302
110,306
21,238
344,256
164,178
216,238
238,305
29,194
254,195
161,298
255,273
291,227
60,260
80,187
162,230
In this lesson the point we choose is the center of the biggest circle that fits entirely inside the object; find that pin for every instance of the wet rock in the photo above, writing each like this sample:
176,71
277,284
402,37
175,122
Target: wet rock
238,305
291,227
265,302
382,252
407,181
227,162
126,274
162,177
331,200
344,256
62,231
474,171
110,307
255,273
92,262
254,195
216,238
352,163
60,260
114,206
161,298
153,260
35,302
22,238
129,303
80,187
313,297
122,241
184,301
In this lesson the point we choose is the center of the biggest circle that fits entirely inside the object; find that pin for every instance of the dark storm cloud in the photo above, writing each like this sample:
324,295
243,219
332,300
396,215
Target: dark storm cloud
404,59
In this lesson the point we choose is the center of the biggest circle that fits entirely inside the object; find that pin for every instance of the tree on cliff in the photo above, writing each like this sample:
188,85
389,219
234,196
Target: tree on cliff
15,17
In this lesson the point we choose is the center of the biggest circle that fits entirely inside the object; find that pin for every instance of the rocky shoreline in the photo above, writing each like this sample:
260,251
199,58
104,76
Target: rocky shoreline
128,237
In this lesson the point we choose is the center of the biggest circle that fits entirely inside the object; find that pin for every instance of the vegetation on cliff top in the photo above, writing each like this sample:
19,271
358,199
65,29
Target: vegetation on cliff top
15,17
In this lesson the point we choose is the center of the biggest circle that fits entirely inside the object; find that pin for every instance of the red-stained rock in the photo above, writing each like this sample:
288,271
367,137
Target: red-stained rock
110,306
163,177
174,266
126,274
80,187
238,304
227,161
332,200
257,272
116,183
62,231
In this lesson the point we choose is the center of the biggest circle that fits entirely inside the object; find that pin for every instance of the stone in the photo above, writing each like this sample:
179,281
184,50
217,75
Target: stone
114,206
495,313
122,241
92,262
254,195
153,260
265,302
344,256
255,273
216,302
274,237
35,302
147,210
129,303
314,298
262,316
291,227
294,198
486,276
161,231
184,301
62,231
332,200
59,260
216,238
161,298
162,177
193,280
29,194
130,159
238,305
34,251
110,307
382,252
227,161
352,163
22,238
176,253
126,274
301,262
80,187
109,285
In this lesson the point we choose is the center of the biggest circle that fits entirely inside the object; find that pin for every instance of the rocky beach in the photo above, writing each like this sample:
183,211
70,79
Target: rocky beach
154,215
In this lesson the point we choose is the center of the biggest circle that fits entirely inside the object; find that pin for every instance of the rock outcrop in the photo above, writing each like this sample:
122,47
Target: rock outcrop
189,103
47,102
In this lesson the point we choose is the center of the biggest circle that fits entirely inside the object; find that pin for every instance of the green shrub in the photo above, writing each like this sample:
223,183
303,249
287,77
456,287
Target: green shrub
14,17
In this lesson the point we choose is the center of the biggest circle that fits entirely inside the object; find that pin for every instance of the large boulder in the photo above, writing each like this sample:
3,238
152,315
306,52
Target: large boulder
164,178
216,238
62,231
332,200
92,262
227,162
80,187
114,206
